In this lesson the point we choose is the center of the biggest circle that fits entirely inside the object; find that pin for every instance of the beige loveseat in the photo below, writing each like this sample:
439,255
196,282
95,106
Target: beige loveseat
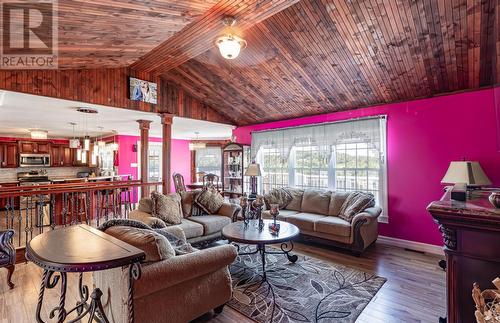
175,290
196,228
316,214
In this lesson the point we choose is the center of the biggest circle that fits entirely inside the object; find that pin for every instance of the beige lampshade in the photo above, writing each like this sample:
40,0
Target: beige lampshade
466,172
253,170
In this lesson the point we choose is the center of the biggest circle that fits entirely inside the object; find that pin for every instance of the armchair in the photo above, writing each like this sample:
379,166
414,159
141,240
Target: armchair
7,254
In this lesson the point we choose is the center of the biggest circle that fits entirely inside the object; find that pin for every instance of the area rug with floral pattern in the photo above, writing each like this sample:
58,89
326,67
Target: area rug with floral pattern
310,290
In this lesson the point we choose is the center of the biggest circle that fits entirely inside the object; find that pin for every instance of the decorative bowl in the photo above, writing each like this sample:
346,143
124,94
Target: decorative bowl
495,199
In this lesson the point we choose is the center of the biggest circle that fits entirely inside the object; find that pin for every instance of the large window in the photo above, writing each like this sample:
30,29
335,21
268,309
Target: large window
208,160
274,168
345,156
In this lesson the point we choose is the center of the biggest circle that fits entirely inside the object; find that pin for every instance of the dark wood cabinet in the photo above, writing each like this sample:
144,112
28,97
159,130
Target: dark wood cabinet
55,156
33,147
43,147
61,155
234,163
27,147
471,234
9,157
67,156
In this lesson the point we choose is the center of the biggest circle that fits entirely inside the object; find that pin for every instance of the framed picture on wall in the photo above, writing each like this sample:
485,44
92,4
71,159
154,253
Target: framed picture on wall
144,91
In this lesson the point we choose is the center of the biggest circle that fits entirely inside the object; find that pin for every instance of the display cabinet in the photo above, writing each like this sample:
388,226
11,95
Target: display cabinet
235,159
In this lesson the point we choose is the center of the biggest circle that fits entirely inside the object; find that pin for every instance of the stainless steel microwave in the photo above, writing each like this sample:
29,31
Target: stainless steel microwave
34,160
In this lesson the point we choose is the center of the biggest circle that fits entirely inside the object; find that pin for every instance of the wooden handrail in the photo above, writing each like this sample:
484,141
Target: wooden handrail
63,185
71,188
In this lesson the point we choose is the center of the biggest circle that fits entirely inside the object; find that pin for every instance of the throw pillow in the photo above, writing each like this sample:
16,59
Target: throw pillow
187,201
278,196
145,205
296,202
167,207
155,246
209,200
355,203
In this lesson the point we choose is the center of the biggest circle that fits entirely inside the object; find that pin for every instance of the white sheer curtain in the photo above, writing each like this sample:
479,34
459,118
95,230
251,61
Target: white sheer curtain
355,149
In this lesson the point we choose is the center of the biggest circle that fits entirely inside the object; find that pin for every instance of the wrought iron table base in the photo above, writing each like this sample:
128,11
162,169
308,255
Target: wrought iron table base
286,249
83,308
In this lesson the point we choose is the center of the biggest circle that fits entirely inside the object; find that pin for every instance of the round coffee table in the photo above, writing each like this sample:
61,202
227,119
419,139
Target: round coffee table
261,236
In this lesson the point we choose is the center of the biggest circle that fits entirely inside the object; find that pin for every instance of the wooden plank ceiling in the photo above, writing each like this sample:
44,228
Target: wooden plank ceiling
322,56
112,33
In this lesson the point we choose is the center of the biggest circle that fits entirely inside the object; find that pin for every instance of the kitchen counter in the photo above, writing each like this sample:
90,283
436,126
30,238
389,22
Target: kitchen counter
84,179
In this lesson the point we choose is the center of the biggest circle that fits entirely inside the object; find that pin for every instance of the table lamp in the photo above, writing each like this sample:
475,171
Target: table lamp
253,170
464,175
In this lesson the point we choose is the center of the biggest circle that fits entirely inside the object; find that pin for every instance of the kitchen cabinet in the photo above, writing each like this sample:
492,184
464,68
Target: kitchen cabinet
33,147
9,157
61,156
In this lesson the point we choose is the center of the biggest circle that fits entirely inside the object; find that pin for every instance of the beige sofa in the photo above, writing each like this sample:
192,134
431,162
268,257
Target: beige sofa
316,214
176,290
198,229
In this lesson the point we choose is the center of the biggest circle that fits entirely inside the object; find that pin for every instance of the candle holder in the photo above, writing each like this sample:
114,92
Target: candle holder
244,206
274,211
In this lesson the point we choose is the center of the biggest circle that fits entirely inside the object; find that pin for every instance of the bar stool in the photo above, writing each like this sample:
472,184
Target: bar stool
77,210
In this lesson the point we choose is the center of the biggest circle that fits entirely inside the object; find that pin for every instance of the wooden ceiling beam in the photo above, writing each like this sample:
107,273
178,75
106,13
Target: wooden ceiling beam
199,36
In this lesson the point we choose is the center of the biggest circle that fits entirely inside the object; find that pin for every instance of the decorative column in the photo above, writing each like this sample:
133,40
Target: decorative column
166,121
144,127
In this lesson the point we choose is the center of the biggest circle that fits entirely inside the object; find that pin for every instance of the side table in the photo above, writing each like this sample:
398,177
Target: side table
80,249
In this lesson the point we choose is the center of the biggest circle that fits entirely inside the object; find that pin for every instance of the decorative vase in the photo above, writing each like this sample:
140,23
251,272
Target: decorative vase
495,199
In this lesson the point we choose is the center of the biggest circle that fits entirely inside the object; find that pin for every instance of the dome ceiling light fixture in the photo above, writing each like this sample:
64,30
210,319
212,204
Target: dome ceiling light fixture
230,45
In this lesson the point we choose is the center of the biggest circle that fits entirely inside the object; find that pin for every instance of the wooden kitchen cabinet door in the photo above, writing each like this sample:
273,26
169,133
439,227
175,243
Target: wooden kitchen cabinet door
27,147
67,156
42,147
55,156
10,158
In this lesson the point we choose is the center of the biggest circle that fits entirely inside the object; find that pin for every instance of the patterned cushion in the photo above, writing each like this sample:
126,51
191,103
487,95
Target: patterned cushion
355,203
155,246
167,207
336,202
187,201
209,200
145,205
278,196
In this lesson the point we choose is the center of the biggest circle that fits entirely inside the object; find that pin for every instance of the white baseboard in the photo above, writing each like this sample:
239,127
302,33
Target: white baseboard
407,244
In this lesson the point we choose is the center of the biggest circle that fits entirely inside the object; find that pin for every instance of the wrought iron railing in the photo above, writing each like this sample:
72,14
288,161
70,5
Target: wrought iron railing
31,210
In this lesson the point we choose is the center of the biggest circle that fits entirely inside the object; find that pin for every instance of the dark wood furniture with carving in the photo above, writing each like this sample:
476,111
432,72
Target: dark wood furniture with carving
7,254
260,236
235,159
55,252
211,180
179,183
471,233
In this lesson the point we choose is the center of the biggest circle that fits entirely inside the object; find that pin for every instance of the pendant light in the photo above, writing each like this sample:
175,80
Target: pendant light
84,157
114,145
86,139
86,143
79,154
101,143
197,145
74,143
229,44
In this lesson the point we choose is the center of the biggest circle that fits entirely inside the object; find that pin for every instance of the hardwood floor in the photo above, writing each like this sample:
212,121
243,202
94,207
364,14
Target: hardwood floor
414,291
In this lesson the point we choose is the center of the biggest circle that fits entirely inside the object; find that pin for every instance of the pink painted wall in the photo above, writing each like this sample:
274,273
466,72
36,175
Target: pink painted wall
181,157
423,136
